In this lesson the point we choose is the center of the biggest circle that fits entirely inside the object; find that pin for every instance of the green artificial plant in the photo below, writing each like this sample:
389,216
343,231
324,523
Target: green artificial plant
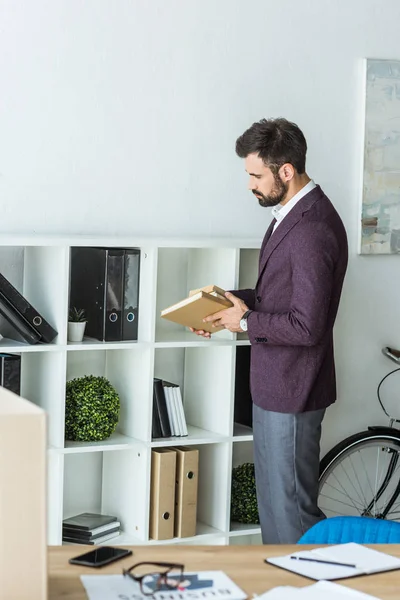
91,409
77,315
244,507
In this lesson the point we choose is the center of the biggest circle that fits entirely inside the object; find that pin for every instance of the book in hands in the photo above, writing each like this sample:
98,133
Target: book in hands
328,563
200,303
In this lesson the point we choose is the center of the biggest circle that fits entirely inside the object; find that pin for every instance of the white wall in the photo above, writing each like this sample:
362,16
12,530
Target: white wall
120,116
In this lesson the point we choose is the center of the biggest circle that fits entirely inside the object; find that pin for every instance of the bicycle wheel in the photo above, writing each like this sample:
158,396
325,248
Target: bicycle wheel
360,476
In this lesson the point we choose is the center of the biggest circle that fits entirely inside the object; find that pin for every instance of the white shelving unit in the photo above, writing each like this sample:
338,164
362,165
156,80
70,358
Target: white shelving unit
113,476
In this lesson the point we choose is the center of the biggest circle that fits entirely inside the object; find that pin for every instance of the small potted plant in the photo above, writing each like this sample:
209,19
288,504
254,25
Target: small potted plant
76,324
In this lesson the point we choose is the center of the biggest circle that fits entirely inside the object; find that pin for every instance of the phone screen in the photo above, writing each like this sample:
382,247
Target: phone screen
100,556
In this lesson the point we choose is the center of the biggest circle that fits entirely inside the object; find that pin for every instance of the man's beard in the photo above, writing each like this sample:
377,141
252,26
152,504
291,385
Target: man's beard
276,196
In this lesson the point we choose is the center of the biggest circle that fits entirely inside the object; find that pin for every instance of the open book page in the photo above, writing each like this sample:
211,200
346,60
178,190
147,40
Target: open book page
196,586
323,589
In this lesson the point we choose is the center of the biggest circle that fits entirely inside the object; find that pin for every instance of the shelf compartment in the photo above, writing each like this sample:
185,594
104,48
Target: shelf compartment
108,483
40,274
92,344
43,383
242,433
204,535
247,539
213,486
180,270
239,529
204,375
242,452
247,275
116,441
130,372
195,436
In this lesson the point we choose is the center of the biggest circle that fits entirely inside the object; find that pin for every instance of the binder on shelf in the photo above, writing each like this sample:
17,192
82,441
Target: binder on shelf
23,317
191,311
131,294
162,493
159,400
187,471
10,372
104,282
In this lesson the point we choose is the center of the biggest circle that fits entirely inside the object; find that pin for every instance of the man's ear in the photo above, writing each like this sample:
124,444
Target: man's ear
287,172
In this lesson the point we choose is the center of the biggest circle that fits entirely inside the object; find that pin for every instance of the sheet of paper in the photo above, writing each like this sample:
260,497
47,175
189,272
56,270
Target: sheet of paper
367,559
312,569
322,589
213,584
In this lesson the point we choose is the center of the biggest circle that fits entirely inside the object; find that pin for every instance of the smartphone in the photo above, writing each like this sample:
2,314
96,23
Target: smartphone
104,555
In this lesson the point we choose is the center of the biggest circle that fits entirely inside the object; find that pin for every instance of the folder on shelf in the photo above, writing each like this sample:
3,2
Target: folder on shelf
162,493
130,308
10,372
105,283
187,471
22,316
200,303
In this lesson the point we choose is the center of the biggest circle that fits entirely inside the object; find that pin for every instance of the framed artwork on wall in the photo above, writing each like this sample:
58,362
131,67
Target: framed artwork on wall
380,212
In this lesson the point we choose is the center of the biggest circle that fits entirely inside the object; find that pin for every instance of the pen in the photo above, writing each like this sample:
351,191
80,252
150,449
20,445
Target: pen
325,562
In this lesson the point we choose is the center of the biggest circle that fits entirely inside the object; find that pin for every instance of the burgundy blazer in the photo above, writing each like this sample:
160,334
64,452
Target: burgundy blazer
295,301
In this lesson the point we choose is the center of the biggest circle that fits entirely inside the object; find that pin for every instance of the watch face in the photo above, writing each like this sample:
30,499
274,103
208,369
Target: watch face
243,324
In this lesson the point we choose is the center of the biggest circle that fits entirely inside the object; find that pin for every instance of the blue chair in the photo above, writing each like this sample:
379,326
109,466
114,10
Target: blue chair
363,530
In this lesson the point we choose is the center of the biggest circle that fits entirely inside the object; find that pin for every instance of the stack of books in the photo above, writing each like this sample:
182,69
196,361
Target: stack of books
168,414
90,528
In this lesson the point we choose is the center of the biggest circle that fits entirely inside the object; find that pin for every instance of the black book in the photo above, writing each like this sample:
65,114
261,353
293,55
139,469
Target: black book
156,424
243,411
78,534
22,314
10,372
87,521
161,405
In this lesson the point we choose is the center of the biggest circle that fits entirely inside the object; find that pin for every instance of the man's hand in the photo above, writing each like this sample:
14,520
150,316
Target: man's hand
229,317
205,334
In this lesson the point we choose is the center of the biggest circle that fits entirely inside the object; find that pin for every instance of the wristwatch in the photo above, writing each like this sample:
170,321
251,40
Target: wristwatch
243,320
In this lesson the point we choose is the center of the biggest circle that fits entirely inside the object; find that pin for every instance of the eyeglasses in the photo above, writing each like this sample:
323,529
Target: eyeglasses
153,577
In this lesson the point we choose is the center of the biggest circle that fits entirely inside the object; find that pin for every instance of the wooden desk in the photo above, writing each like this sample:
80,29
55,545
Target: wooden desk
244,564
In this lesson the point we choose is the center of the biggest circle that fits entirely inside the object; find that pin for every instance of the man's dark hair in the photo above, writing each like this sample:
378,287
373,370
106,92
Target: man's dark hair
276,141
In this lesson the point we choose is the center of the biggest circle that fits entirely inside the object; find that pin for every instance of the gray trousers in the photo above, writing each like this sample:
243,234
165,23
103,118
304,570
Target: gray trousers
286,460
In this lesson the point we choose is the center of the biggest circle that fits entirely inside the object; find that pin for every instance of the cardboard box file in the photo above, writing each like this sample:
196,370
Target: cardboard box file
23,540
162,493
187,472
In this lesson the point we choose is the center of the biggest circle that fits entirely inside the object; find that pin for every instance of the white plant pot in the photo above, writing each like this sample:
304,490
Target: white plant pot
76,331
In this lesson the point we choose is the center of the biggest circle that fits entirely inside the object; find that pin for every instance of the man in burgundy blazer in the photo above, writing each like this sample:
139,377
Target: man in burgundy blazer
289,317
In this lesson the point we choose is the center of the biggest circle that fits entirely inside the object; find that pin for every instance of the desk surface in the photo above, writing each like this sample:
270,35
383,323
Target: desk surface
244,564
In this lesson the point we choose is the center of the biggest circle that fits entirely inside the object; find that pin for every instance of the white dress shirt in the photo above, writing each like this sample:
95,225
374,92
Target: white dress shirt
280,212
